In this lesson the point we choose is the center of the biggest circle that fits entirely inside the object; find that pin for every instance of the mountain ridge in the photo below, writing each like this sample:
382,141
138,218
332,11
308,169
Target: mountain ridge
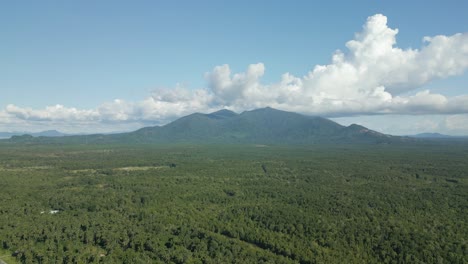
258,126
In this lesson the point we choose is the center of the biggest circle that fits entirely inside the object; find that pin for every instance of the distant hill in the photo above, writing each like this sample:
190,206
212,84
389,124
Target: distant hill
48,133
260,126
436,136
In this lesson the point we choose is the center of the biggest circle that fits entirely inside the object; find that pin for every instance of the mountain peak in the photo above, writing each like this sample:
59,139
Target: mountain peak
357,127
223,111
267,110
221,114
264,109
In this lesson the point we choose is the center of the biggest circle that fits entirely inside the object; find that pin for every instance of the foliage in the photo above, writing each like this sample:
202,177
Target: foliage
234,204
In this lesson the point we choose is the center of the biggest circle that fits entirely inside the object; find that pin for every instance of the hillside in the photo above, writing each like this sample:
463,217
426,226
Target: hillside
260,126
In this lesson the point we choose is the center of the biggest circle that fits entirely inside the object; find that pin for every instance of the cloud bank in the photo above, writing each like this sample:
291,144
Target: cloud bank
372,76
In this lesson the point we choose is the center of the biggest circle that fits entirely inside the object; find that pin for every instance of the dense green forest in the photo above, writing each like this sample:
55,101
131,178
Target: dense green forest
234,204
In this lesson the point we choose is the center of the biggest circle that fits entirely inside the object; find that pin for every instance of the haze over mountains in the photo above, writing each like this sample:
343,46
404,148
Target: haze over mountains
48,133
260,126
436,136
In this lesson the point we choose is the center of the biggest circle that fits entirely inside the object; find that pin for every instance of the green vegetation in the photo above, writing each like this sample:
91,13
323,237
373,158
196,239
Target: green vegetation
234,204
6,257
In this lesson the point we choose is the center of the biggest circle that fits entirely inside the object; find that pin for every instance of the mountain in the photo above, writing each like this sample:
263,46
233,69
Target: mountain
260,126
430,135
436,136
222,114
48,133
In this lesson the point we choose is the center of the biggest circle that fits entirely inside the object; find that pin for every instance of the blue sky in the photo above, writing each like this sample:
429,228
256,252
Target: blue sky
99,66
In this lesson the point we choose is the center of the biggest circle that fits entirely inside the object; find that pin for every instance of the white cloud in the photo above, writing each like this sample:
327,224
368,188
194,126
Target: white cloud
373,76
369,79
412,124
51,113
166,104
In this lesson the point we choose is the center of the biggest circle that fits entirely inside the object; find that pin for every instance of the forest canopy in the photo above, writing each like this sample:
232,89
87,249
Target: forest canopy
234,204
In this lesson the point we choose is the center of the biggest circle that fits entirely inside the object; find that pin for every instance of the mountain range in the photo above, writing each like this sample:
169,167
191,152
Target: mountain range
260,126
48,133
436,136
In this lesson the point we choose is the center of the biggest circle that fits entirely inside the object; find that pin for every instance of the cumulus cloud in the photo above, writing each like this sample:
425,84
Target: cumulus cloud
235,89
456,124
372,76
51,113
169,103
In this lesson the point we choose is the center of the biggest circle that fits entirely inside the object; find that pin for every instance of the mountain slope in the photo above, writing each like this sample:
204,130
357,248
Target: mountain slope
260,126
